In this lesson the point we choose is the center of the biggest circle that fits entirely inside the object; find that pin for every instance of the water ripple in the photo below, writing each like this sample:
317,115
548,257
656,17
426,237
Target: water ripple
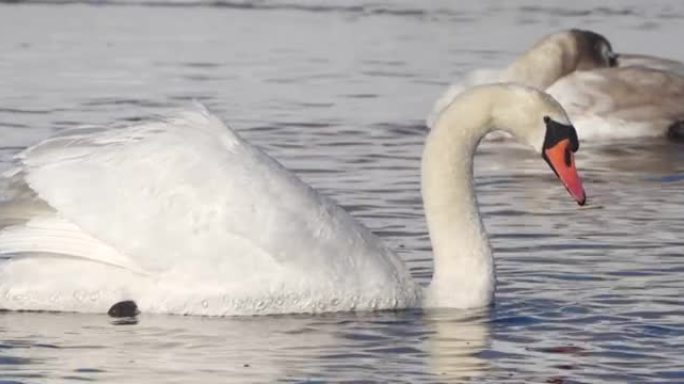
337,92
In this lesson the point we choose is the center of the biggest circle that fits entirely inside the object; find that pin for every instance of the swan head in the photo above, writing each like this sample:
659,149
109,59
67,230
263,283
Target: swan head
560,145
538,120
593,50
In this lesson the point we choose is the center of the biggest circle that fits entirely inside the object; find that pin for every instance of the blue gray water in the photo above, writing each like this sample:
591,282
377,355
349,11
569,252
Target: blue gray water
337,91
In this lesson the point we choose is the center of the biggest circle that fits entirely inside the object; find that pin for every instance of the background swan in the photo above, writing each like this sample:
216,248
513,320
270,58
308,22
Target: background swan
183,216
550,59
606,95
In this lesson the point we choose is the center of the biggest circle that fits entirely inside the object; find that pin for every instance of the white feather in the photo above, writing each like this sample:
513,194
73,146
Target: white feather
195,205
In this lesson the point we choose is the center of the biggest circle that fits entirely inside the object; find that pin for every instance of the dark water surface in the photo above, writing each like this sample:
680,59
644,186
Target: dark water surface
337,91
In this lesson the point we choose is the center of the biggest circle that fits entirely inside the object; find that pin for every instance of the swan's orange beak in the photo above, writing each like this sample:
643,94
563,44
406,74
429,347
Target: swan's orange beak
562,160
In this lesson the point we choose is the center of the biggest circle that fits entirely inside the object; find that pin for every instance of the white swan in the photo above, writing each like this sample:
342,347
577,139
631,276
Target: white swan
183,216
643,97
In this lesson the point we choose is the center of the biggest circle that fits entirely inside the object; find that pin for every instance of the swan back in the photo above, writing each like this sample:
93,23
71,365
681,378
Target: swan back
622,102
652,62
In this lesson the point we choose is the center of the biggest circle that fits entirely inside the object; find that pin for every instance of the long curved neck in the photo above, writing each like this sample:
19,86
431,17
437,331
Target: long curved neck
463,264
546,62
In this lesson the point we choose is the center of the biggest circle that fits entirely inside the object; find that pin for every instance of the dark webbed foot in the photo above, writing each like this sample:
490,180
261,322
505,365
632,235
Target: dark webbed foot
126,308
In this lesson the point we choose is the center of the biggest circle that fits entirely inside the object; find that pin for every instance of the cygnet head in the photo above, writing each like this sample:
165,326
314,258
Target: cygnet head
537,119
594,50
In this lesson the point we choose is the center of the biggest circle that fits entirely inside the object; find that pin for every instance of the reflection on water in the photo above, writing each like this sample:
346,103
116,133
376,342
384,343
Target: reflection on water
338,93
659,158
456,345
375,347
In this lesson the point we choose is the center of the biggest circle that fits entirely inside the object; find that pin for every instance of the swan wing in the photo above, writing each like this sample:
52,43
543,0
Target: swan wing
187,197
163,190
621,102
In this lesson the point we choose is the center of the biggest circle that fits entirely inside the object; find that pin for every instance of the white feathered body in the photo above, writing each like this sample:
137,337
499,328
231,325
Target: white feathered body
183,217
